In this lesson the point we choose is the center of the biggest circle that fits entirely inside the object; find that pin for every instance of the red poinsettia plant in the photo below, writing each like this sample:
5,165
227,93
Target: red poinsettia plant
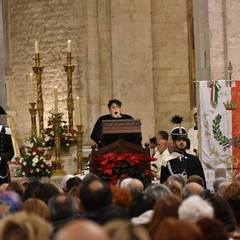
112,167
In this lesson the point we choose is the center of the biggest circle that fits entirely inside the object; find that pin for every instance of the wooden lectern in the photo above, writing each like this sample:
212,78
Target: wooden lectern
124,131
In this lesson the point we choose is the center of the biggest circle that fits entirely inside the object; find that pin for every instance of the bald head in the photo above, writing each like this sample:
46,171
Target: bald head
193,188
81,230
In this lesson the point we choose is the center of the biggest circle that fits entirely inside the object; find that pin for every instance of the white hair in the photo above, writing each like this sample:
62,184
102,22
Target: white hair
195,208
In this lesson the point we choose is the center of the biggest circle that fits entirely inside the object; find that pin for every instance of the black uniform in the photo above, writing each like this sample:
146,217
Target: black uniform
185,164
6,154
101,141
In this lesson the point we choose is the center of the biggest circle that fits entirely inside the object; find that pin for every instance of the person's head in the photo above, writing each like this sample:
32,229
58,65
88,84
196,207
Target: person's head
195,208
196,179
121,196
30,189
114,107
10,202
212,229
24,226
16,187
179,134
38,207
162,145
165,207
217,182
45,191
232,191
193,188
180,144
135,186
157,190
125,230
172,229
162,135
64,181
141,203
179,178
81,230
73,182
62,206
95,195
223,212
175,187
153,142
222,188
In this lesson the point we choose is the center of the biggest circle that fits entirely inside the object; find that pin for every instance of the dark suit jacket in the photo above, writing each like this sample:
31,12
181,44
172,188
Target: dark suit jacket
6,153
189,163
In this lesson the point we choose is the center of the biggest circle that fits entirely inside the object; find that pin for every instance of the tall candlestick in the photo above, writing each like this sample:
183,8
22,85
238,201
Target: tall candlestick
69,46
31,88
55,99
78,112
36,47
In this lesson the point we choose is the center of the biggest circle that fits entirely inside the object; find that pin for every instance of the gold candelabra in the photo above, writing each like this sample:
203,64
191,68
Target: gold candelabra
58,161
38,72
69,68
79,149
33,112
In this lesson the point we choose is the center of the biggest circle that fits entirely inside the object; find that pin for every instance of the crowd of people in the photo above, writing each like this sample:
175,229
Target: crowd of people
89,208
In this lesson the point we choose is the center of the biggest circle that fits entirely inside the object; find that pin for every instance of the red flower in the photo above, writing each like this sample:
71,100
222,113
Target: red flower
111,167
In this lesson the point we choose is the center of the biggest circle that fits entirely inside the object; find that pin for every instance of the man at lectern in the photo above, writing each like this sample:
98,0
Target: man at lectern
114,107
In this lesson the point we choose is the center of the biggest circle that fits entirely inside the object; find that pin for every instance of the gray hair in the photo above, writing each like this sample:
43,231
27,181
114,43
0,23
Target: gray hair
157,190
217,182
195,208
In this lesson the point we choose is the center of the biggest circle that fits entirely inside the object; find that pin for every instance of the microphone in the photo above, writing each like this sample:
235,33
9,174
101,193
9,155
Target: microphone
116,113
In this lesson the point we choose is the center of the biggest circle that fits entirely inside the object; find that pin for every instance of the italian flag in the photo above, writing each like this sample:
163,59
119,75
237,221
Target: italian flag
219,116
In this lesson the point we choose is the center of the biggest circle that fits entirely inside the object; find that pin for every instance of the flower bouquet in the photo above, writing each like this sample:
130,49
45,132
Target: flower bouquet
112,167
68,137
35,162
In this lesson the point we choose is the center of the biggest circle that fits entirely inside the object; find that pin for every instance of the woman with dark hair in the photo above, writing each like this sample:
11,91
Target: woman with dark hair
172,229
224,213
165,207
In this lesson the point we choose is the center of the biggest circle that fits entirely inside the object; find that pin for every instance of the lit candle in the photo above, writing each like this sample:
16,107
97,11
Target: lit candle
36,47
31,88
55,99
69,46
78,112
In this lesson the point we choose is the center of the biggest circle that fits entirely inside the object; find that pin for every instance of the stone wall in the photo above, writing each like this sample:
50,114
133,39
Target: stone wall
135,50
